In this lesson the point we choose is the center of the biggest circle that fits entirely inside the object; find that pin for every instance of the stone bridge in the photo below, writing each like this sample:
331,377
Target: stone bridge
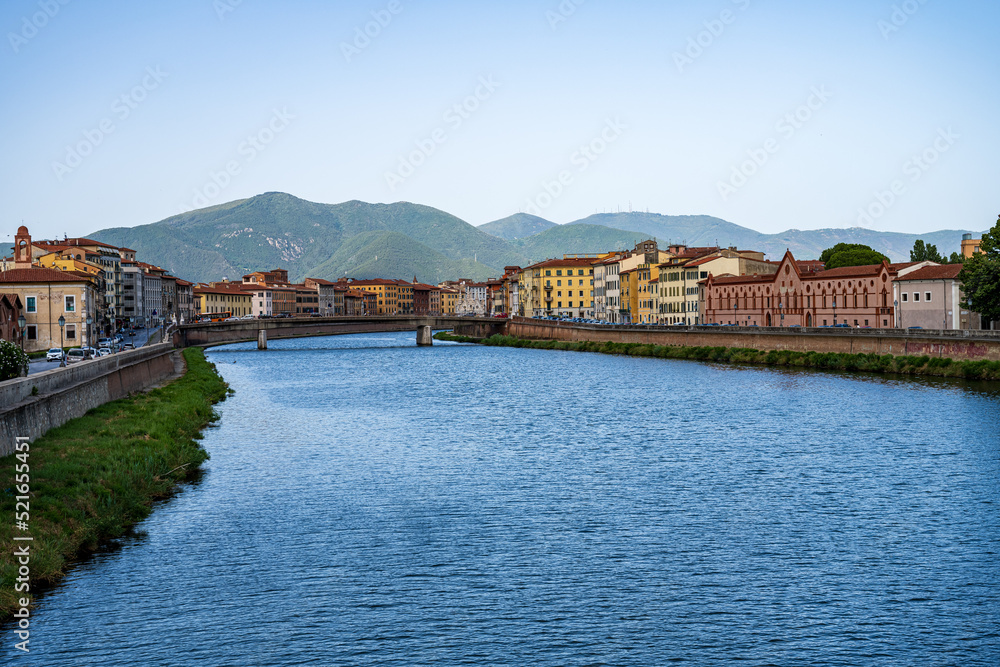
220,333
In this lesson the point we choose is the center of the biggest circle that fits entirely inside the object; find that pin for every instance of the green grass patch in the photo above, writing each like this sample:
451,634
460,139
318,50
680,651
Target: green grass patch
868,363
94,477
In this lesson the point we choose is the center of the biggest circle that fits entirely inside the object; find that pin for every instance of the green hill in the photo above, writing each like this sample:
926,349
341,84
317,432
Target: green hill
517,226
279,230
401,240
703,230
577,238
391,254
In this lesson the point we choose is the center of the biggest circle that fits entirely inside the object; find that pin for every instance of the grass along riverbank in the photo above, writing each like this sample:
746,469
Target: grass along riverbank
94,477
871,363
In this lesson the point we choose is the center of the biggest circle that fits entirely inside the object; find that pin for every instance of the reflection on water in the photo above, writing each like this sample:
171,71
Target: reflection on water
370,502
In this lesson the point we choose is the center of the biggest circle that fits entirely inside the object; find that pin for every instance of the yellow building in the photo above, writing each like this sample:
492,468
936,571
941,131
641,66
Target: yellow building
210,300
449,297
970,246
387,294
647,279
48,295
565,287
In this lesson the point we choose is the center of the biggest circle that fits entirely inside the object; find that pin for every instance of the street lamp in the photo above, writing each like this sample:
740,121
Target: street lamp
62,358
780,306
90,320
22,324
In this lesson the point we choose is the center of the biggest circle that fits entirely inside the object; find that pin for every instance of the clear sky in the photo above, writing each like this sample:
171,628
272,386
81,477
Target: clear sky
773,114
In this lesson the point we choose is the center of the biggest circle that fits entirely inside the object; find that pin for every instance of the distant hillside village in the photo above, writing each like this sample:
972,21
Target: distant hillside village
94,289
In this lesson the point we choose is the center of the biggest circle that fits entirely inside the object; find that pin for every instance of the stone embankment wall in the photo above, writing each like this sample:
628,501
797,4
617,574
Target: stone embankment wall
66,393
959,345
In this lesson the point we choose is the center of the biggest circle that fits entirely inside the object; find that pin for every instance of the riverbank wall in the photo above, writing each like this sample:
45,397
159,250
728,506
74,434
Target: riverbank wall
973,345
32,405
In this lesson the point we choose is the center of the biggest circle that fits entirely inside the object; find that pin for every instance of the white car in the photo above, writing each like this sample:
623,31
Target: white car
54,354
104,352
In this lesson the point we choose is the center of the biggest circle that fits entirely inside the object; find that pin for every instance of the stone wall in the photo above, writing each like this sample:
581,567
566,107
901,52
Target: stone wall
961,345
67,393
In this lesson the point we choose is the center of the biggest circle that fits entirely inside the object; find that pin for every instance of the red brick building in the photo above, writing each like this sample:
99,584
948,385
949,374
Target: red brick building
799,295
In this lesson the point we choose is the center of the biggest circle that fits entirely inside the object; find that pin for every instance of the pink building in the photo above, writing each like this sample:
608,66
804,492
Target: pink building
799,295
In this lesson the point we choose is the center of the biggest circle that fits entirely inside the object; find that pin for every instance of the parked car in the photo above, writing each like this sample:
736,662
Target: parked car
54,354
78,354
104,352
128,346
104,342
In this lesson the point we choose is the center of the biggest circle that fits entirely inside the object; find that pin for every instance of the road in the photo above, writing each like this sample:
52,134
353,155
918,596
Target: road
140,339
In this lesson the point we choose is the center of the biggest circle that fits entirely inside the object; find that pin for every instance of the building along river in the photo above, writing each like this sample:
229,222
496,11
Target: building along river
371,502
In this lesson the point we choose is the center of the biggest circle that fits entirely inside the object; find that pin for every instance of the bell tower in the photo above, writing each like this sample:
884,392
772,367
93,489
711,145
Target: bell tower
22,248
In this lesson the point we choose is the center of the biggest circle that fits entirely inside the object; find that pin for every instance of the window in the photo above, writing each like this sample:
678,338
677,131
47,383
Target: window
916,296
906,297
927,296
29,305
32,332
70,332
559,304
548,272
558,272
559,283
70,303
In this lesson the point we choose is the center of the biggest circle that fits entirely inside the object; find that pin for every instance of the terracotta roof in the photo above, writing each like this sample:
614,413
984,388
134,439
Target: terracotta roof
77,242
39,275
902,265
943,272
574,261
703,260
320,281
13,299
734,280
850,271
221,290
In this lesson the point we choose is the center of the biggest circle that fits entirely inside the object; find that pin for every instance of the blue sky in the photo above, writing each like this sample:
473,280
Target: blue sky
770,114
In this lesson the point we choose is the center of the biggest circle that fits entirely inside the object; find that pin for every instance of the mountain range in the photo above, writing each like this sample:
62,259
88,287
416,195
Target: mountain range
404,240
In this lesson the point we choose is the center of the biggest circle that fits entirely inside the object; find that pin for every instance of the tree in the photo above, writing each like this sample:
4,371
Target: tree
980,277
956,258
925,253
850,254
13,361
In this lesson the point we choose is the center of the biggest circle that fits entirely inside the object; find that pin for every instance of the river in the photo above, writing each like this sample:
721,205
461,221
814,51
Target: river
369,502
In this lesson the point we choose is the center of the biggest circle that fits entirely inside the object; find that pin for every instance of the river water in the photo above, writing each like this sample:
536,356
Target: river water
369,502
